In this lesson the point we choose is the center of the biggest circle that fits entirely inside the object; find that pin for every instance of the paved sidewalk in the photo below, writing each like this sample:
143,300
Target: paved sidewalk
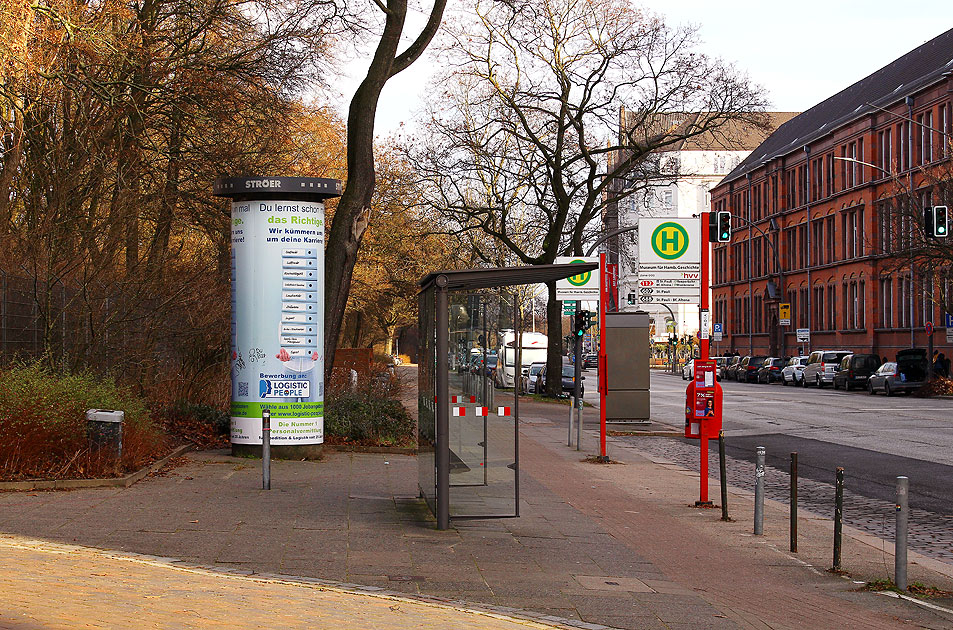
616,545
62,586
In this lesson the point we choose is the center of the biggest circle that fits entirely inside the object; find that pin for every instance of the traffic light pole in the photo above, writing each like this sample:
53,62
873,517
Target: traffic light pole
577,380
603,375
703,316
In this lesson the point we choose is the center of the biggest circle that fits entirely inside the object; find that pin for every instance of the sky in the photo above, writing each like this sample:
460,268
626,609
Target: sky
800,52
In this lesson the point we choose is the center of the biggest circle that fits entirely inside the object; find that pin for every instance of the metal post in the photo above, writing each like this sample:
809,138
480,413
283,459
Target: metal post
794,502
266,449
442,455
578,404
838,517
759,492
900,544
724,476
572,414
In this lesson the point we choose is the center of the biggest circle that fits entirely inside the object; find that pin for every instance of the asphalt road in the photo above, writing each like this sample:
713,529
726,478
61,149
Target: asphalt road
874,438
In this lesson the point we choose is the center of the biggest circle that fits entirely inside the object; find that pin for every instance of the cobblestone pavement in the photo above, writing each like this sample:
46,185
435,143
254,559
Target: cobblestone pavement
930,534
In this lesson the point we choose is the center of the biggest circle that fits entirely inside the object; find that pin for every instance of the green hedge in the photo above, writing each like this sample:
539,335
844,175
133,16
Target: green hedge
43,424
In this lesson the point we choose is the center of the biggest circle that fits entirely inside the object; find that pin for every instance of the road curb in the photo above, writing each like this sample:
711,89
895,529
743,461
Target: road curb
76,484
880,544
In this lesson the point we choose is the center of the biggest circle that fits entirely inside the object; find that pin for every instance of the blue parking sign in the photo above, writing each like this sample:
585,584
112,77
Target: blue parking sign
717,327
949,320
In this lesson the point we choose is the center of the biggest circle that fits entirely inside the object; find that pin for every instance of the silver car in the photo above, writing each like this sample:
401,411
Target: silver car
821,367
688,370
883,379
793,372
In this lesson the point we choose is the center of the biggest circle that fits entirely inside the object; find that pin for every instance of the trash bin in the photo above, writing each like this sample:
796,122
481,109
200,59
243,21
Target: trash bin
104,430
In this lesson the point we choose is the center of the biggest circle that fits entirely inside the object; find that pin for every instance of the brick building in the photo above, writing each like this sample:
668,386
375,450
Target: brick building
824,217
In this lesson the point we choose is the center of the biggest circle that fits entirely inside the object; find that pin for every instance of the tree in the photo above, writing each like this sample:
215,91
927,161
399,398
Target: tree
353,211
527,144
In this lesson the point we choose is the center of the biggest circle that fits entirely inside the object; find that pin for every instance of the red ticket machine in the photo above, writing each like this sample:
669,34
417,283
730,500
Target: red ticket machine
703,402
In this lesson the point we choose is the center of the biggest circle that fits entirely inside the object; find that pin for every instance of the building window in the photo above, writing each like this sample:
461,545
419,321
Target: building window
903,302
802,251
831,251
885,152
946,126
886,302
861,306
925,136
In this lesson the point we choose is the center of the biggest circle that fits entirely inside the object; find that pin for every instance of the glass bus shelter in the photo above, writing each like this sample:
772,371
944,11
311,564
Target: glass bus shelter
468,429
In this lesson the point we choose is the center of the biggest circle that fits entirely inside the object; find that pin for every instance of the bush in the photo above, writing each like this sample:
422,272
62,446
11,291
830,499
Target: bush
206,426
369,415
43,425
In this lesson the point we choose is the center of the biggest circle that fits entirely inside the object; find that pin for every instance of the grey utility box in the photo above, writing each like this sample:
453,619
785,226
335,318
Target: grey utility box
627,373
104,429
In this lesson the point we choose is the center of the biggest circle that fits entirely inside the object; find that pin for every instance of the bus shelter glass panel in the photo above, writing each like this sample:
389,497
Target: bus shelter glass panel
426,403
482,420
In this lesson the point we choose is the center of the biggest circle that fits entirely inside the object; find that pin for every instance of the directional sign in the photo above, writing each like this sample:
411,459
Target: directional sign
668,299
804,335
949,327
569,307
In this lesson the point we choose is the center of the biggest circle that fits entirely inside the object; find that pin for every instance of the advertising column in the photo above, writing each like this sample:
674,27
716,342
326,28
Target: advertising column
277,341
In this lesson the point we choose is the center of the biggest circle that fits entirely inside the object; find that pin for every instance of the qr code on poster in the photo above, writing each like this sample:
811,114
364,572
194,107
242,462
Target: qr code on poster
242,388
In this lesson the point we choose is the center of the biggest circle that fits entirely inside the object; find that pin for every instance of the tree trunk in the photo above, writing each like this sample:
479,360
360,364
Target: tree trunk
352,215
554,353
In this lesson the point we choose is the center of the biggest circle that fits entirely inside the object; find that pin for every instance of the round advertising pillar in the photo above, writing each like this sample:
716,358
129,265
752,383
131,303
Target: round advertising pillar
277,357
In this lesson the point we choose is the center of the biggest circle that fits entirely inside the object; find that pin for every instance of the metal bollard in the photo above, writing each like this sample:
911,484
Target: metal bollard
900,544
572,414
838,516
579,404
724,476
759,493
794,502
266,449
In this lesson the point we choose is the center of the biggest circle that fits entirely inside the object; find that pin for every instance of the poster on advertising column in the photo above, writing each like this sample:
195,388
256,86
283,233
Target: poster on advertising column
277,315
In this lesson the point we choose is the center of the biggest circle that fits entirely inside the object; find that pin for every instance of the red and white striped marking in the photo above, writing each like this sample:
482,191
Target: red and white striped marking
459,411
481,411
502,411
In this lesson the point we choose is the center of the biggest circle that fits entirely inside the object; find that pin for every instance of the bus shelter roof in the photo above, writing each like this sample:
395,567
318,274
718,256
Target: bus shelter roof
469,279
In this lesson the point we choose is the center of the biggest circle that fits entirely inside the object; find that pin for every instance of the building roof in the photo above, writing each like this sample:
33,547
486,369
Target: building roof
731,136
912,72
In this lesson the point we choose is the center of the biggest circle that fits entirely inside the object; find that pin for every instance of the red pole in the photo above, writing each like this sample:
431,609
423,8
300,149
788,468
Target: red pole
703,341
603,381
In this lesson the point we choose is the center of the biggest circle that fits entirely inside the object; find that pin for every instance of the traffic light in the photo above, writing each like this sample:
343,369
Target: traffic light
936,221
723,226
582,323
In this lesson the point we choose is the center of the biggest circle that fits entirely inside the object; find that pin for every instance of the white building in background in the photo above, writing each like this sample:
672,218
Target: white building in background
700,163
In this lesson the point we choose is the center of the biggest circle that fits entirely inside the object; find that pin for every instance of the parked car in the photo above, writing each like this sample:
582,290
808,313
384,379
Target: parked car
770,370
793,371
748,370
855,370
590,360
567,377
731,373
727,371
532,376
912,369
821,366
688,370
884,379
720,364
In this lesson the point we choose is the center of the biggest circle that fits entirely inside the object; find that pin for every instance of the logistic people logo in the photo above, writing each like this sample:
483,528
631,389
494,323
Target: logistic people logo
580,279
670,240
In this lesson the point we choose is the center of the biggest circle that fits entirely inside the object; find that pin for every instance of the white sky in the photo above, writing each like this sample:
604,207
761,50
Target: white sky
801,52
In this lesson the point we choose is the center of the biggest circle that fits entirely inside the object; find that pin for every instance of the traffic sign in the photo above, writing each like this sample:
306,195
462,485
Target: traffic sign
583,286
669,242
804,335
929,328
784,314
949,327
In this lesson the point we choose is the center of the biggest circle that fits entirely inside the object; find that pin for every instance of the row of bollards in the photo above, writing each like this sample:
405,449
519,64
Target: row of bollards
902,511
